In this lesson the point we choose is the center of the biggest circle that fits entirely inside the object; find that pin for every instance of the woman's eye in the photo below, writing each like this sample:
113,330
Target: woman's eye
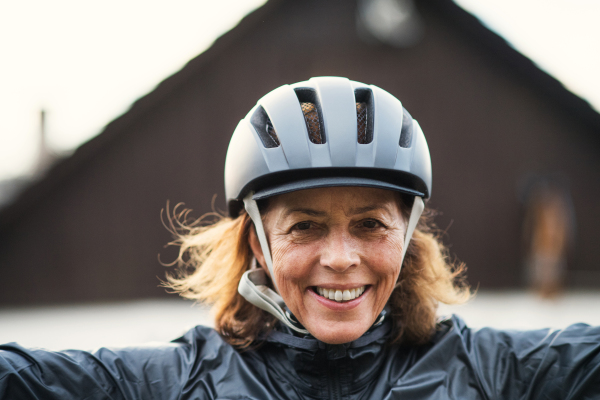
303,226
370,224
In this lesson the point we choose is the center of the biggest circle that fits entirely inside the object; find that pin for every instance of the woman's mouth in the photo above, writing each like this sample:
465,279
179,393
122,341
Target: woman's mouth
340,295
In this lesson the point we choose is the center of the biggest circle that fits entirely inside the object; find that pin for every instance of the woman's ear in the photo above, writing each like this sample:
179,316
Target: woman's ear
256,249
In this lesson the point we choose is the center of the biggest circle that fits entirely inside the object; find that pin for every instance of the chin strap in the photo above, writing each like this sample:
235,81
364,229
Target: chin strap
415,214
252,210
253,285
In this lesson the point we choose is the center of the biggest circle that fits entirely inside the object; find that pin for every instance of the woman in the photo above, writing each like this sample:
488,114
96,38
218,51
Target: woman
324,280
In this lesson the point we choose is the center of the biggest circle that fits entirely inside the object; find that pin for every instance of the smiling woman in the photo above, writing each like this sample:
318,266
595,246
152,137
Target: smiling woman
334,237
324,279
323,241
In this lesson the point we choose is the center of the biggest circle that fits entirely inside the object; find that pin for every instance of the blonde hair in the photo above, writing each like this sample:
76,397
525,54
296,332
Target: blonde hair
214,254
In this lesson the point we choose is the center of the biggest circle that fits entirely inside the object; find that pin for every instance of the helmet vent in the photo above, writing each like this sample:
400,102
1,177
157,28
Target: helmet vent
312,114
364,115
407,129
264,127
361,118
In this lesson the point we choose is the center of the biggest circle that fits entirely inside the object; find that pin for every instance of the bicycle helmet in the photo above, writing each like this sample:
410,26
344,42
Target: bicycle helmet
327,131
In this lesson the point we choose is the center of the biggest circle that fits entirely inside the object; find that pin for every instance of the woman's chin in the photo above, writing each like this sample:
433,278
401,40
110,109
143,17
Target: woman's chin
337,332
336,323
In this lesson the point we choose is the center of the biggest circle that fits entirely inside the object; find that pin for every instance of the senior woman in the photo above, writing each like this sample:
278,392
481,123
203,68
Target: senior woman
324,280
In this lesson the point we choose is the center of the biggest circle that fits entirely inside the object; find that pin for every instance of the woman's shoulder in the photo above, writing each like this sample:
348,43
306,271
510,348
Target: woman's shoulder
204,342
455,327
200,335
549,361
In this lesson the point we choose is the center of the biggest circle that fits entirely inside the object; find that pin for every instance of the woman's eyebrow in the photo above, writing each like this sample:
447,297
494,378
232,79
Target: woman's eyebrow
362,210
303,210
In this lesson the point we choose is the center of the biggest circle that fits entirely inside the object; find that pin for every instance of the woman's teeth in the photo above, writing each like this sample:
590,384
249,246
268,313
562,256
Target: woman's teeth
341,295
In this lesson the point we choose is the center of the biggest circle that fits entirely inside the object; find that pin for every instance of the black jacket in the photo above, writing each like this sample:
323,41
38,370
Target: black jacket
459,363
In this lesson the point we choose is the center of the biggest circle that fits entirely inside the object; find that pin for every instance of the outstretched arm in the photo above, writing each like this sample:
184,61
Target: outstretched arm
133,373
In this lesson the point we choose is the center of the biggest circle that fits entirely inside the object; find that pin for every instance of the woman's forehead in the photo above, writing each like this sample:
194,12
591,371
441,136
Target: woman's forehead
348,198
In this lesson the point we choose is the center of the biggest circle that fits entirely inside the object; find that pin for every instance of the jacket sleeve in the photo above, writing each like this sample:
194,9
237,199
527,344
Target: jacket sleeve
149,372
541,364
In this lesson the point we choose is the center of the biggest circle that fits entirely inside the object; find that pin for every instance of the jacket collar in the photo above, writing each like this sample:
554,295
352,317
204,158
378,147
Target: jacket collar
312,366
285,336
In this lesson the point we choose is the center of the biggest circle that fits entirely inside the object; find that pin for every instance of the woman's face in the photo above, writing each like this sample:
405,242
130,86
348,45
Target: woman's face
341,242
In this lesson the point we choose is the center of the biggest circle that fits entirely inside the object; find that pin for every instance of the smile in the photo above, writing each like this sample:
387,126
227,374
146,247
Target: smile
340,295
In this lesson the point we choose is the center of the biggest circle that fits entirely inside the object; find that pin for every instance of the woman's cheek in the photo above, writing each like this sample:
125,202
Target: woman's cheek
385,260
290,260
292,267
387,250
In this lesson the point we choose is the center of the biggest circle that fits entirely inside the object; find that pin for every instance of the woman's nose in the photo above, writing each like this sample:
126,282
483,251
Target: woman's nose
340,252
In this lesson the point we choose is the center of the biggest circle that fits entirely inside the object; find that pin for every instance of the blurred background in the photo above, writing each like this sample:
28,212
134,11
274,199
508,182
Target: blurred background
108,111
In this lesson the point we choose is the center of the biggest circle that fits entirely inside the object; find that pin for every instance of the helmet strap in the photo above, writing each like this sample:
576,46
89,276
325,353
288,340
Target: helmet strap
413,220
254,288
254,213
254,284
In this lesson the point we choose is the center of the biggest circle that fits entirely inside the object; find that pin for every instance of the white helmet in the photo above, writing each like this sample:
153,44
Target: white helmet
324,132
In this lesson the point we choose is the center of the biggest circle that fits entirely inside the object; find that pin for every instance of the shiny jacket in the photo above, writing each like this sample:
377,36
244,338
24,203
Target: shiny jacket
459,363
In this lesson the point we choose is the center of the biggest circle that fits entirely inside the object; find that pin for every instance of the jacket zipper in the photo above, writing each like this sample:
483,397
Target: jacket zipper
335,388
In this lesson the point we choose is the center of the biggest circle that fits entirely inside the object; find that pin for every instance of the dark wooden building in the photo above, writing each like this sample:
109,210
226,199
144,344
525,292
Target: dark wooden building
91,229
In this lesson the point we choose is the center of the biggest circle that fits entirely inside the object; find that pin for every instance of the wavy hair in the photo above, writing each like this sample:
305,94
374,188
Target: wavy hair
214,253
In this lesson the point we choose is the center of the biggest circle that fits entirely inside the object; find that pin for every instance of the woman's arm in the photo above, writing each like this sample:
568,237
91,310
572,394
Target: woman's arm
542,364
149,372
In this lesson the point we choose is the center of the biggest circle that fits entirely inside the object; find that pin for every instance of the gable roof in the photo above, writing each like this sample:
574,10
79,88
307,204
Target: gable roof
470,27
497,48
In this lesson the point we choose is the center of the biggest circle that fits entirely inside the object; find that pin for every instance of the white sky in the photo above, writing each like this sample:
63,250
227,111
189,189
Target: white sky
86,62
561,36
